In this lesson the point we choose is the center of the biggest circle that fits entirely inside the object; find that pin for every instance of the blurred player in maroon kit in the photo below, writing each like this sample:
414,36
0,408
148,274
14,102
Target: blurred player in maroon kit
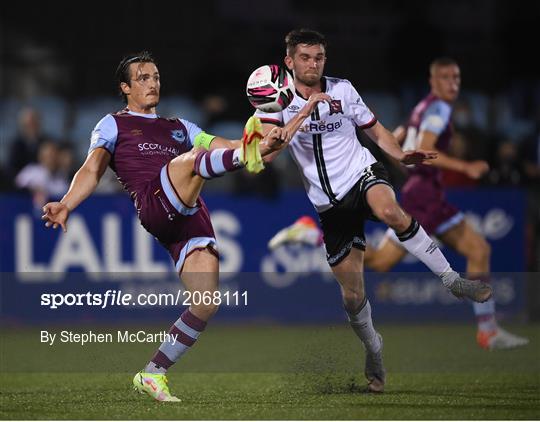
422,196
163,164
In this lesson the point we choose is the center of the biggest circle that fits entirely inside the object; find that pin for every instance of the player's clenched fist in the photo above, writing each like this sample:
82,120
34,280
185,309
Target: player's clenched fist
275,140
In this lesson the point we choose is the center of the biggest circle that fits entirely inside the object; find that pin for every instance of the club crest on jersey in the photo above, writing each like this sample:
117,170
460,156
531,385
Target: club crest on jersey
335,107
178,135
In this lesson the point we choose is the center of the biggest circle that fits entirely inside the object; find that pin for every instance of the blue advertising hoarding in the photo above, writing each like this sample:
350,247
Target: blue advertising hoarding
106,249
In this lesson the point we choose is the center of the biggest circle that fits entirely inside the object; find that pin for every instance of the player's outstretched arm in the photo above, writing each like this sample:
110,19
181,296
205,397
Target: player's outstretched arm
473,169
294,124
389,144
83,184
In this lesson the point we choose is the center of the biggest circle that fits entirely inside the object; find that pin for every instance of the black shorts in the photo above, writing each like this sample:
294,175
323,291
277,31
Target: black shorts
343,224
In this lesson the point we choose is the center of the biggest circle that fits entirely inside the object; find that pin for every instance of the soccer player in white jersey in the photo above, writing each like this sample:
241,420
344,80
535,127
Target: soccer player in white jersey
423,197
346,185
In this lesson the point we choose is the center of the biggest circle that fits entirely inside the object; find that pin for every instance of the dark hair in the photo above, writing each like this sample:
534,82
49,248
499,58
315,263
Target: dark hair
441,62
122,71
303,36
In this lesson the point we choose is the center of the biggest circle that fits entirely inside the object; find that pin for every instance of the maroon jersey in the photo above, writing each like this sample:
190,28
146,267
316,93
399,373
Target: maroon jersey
423,195
141,144
431,114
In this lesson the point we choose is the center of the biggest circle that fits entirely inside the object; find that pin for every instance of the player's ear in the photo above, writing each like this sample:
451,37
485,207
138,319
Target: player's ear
126,89
288,62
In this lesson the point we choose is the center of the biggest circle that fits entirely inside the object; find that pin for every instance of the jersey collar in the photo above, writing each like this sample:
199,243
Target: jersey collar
148,116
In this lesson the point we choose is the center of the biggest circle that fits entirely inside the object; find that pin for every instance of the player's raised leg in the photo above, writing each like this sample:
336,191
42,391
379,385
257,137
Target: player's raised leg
382,201
199,274
188,171
216,162
466,241
350,276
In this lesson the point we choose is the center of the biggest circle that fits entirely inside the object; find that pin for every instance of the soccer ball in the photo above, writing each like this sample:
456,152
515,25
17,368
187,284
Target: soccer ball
270,88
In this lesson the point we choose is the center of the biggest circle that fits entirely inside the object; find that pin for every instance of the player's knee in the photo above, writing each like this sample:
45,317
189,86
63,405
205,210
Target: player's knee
192,155
352,299
186,164
392,215
188,158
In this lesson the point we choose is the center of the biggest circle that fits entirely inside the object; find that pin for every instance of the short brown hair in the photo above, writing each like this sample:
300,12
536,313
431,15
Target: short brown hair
441,62
303,36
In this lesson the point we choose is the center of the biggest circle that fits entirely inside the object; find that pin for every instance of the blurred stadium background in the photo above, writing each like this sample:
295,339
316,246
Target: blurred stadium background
57,80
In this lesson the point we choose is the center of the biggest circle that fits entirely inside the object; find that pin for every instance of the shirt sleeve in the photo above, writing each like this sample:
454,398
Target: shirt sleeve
436,117
357,109
192,131
270,118
104,135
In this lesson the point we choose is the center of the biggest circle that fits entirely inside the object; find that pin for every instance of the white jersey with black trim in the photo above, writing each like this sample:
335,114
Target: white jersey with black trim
325,148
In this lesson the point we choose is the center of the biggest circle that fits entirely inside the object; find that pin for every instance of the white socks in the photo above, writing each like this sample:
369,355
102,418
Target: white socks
152,368
418,243
362,325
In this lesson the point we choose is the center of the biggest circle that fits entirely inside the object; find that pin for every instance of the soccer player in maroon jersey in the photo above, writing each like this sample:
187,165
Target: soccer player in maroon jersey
423,197
163,164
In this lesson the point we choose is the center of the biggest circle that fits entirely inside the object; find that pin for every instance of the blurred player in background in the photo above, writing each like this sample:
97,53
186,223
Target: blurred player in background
346,186
163,164
423,197
44,178
24,148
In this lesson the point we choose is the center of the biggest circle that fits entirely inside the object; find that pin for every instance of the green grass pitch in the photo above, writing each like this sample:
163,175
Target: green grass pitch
275,372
